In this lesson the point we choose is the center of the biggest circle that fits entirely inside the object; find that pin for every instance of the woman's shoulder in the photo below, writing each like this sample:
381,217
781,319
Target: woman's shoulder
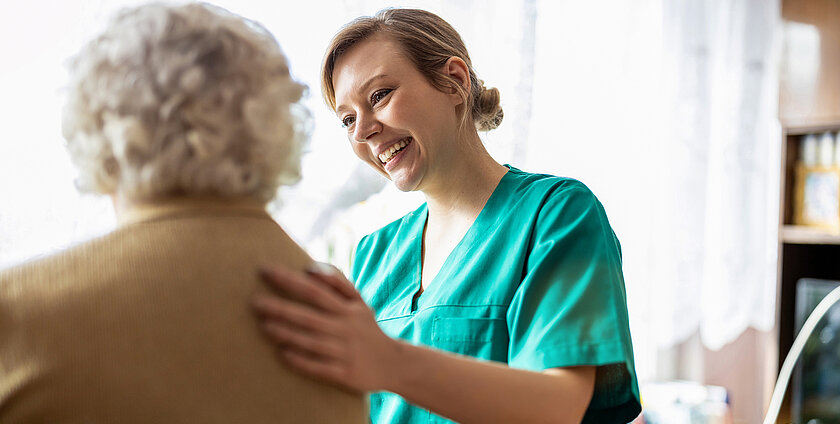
558,204
550,188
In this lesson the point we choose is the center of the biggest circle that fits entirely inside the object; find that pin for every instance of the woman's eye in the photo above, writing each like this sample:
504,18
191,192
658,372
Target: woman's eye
378,95
347,121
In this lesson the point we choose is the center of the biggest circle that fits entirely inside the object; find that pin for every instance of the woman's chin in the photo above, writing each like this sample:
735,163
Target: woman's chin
404,181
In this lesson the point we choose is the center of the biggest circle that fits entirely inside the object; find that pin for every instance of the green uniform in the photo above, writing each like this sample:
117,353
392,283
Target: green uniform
535,283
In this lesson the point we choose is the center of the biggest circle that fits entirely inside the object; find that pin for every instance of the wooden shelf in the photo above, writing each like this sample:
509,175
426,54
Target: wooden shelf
802,127
798,234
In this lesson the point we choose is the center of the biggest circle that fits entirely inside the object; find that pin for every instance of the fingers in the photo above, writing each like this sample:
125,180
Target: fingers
294,339
324,268
303,288
322,326
314,367
299,315
334,278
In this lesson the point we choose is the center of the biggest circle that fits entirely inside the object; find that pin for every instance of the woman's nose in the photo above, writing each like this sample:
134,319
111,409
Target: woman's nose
366,127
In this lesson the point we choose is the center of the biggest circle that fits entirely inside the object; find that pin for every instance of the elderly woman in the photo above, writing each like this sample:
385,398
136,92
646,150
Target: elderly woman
188,118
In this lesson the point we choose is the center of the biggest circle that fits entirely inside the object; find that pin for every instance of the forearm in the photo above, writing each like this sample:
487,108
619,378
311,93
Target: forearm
470,391
337,339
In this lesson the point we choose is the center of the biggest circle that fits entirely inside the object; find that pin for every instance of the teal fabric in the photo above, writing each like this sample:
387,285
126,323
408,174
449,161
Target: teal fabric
535,283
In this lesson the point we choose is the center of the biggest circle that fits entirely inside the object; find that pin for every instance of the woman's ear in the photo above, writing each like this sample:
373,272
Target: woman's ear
458,70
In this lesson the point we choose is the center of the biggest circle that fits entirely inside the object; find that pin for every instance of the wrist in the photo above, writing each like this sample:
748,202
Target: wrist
396,371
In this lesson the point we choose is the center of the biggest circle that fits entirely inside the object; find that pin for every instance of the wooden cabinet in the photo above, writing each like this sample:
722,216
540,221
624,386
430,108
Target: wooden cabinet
804,252
809,103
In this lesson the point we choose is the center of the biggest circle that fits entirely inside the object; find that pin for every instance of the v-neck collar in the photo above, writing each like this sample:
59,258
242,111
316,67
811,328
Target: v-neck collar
477,228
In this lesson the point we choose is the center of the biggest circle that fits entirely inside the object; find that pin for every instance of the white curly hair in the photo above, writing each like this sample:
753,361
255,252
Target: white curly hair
184,100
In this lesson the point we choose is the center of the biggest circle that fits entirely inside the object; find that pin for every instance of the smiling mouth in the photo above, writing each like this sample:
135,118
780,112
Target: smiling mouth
389,154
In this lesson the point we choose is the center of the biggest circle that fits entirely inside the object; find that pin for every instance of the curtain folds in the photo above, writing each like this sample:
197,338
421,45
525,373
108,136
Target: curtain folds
722,88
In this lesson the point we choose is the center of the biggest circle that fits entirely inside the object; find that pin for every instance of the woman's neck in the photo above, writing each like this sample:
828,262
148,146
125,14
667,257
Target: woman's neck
465,184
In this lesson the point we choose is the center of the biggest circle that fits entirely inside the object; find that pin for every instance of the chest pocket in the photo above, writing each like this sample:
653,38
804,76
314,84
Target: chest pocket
483,338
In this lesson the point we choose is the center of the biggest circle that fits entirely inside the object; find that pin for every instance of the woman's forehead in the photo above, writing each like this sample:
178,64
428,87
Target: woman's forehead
371,53
367,62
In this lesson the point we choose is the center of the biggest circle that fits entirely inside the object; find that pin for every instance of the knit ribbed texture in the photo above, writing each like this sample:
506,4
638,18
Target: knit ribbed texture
152,324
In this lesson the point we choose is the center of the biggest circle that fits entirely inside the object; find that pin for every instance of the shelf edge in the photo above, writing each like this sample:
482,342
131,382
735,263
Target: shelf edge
797,234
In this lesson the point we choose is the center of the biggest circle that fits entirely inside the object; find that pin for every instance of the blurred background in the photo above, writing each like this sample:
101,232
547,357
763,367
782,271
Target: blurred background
688,119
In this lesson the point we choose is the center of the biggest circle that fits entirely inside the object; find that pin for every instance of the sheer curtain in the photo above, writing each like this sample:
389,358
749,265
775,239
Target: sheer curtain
722,83
665,109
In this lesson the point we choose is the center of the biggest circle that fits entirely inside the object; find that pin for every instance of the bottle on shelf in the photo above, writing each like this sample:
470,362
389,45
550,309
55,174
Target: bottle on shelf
825,155
808,150
837,149
817,182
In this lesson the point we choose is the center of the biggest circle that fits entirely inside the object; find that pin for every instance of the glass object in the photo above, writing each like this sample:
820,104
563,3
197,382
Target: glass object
816,380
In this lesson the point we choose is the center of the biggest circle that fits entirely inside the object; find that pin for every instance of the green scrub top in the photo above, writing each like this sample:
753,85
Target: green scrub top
535,283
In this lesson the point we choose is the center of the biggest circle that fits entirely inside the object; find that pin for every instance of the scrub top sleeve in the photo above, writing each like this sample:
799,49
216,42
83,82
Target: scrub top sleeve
570,308
360,258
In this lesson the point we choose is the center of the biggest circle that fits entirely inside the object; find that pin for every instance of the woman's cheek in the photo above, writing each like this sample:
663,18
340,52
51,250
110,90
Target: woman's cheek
362,151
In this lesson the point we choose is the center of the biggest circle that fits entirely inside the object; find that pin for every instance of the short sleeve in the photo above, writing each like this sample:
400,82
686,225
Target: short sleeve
570,308
359,259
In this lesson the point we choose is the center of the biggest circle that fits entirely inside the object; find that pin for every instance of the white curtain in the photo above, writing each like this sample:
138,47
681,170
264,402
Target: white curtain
721,195
665,109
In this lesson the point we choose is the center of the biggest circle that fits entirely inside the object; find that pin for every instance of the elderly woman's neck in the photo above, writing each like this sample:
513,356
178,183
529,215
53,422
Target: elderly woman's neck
126,207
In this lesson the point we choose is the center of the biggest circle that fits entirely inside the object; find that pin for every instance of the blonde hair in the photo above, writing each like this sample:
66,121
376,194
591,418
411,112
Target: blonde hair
429,42
184,100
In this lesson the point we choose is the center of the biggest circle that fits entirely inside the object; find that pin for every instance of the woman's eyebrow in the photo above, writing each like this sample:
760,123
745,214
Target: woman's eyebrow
370,81
362,88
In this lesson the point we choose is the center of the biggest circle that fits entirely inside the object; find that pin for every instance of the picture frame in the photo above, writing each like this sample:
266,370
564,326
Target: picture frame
817,197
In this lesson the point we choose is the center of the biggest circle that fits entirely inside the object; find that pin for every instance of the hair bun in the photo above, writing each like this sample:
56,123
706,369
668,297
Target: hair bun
487,109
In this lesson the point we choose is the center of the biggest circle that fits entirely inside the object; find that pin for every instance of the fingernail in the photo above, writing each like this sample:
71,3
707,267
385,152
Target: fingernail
320,268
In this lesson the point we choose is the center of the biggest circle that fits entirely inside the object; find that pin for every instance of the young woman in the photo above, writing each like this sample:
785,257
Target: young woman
501,299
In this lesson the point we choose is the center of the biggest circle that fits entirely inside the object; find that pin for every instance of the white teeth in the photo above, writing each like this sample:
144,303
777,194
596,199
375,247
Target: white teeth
388,154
